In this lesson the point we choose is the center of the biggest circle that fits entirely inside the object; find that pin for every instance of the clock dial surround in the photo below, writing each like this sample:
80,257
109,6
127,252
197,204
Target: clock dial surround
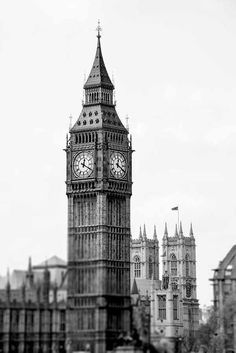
83,164
118,165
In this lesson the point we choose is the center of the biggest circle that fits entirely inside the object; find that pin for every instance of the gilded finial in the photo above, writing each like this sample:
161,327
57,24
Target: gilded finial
99,29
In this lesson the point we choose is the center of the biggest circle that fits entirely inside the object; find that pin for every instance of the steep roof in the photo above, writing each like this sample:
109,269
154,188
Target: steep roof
98,76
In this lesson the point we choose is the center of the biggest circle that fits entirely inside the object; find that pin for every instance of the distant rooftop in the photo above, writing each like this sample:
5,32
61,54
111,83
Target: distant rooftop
53,261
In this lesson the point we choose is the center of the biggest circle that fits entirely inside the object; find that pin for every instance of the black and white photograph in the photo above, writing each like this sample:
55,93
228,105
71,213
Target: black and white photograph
118,176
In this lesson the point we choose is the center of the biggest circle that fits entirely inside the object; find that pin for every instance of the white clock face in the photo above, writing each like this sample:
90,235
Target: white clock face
83,164
118,165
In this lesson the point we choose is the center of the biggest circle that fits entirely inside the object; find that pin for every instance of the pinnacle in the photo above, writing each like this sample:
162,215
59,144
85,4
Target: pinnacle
191,230
144,232
30,265
180,229
140,233
165,231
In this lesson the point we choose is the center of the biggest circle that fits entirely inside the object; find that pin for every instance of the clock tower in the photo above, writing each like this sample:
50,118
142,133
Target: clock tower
99,187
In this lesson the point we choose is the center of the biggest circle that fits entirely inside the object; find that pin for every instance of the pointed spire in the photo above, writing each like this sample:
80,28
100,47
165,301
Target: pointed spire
30,265
134,287
98,76
180,230
140,233
155,233
144,232
176,231
165,231
191,230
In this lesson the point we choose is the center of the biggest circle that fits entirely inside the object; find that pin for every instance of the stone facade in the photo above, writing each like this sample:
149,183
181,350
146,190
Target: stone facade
98,190
174,308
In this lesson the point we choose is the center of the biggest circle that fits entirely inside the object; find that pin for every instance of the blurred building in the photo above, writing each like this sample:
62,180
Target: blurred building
224,298
33,309
174,308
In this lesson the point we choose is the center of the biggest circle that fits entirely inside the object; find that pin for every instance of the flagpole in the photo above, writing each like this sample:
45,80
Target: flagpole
176,208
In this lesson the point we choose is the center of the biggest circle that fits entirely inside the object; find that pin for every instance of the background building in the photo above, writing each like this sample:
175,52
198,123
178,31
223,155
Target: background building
174,308
33,309
224,298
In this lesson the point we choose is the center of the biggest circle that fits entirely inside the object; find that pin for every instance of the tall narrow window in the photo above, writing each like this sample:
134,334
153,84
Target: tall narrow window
173,265
187,265
150,267
162,307
137,267
15,316
175,307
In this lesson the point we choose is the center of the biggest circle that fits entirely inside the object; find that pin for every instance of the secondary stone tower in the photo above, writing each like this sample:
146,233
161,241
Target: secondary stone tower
99,187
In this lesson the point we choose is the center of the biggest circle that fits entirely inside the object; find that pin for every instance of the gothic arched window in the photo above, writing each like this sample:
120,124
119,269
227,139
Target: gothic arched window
150,267
137,267
173,265
187,271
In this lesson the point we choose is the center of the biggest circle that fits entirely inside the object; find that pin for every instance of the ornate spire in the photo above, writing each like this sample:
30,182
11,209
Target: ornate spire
98,76
144,232
180,230
191,230
165,231
155,233
176,231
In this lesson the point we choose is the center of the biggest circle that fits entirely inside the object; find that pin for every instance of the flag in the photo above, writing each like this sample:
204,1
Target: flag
175,208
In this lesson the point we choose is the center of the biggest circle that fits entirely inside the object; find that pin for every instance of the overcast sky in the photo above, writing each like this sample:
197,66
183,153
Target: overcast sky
174,68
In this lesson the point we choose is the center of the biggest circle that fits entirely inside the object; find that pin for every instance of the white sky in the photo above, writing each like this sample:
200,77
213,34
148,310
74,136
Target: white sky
175,73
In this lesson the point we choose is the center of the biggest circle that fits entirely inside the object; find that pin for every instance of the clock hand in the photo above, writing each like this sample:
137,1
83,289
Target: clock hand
117,164
85,166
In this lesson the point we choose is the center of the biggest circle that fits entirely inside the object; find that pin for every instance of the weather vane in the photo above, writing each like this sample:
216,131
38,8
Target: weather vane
99,29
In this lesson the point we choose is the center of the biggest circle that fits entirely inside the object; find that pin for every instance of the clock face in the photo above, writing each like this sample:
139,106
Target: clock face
83,164
118,165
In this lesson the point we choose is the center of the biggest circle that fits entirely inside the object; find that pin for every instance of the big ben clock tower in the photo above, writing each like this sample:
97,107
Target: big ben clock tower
99,189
